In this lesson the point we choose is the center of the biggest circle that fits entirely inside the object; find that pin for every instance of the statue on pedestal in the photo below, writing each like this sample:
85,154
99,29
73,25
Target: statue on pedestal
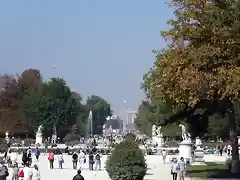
158,131
39,138
54,135
154,133
185,134
7,137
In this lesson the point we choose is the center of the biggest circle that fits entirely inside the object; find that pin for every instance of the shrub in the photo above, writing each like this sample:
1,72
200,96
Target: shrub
3,147
126,162
29,142
130,136
72,137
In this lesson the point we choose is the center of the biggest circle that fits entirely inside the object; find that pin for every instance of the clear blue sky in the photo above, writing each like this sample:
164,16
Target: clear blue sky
98,47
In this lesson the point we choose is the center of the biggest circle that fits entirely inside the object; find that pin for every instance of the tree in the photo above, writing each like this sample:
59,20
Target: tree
201,63
9,96
155,114
52,104
100,111
29,80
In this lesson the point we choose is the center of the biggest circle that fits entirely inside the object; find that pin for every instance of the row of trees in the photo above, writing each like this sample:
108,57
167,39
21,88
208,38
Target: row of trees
27,102
198,74
209,127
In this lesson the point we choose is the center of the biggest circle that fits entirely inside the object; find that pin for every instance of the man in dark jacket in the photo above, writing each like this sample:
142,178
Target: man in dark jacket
3,171
74,160
78,176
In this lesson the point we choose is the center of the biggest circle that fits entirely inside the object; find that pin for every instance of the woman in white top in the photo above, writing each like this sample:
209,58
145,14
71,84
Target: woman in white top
81,159
36,173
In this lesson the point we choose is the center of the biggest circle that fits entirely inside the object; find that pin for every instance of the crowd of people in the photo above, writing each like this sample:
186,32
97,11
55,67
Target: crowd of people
24,171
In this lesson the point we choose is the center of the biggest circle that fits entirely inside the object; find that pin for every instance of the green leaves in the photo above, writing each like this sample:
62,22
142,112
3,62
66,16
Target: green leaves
126,162
100,110
52,103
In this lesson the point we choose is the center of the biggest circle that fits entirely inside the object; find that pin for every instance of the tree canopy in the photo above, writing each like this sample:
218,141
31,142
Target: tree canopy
27,101
100,111
200,67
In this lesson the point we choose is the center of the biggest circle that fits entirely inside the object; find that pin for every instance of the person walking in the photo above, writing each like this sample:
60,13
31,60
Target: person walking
74,160
97,162
164,155
82,159
24,158
174,169
51,159
15,174
37,154
182,168
36,173
27,172
29,156
60,160
91,161
78,176
3,171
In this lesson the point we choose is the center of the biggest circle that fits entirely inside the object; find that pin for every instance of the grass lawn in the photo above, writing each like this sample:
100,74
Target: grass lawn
212,170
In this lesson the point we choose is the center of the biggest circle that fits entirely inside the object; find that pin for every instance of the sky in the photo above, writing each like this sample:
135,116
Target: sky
99,47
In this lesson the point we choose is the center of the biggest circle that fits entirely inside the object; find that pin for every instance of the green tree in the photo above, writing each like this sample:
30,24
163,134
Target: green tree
217,127
144,118
202,61
100,111
155,114
52,104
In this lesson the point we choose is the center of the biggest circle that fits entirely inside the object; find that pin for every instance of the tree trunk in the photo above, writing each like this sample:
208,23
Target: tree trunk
233,138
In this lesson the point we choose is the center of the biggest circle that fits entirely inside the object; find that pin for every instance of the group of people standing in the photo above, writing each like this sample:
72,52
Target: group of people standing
178,169
80,159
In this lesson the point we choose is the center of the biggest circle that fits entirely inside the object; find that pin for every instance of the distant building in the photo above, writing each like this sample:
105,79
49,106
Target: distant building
128,122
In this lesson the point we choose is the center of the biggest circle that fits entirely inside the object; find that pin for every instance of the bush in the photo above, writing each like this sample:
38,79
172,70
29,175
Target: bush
126,162
130,136
3,148
72,137
29,142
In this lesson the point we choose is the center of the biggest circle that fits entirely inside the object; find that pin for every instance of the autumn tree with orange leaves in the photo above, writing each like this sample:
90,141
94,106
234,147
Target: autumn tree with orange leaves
201,66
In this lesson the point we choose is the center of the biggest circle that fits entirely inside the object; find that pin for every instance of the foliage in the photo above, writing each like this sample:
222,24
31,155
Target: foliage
100,111
200,69
155,114
130,136
27,102
212,170
72,137
52,104
217,127
126,162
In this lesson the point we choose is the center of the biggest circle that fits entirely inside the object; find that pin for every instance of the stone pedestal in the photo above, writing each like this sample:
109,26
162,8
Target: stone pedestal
185,150
39,140
198,153
198,157
159,140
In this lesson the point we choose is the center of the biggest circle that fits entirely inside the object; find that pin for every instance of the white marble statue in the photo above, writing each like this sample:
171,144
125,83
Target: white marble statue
39,131
158,131
184,132
54,134
7,137
39,139
154,130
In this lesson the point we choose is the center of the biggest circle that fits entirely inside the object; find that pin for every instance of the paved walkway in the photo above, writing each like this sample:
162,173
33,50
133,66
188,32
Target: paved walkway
156,170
